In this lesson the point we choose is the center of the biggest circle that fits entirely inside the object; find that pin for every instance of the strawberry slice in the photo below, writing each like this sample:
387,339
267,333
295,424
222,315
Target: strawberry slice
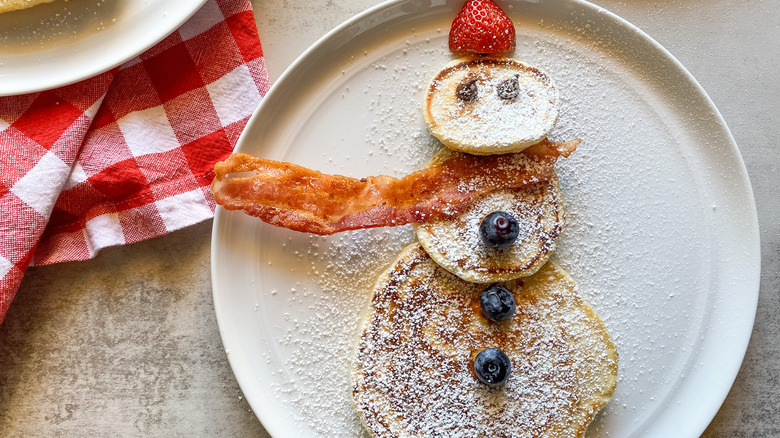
482,27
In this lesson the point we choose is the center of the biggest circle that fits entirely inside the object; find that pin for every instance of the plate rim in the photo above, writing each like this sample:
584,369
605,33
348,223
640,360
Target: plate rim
145,43
752,250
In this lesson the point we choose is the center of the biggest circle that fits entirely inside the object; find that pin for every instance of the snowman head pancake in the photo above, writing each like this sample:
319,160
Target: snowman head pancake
484,106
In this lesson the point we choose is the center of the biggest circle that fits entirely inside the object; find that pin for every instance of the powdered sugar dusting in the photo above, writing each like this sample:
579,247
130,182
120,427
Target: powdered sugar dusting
456,244
322,337
54,25
633,202
637,236
489,123
414,374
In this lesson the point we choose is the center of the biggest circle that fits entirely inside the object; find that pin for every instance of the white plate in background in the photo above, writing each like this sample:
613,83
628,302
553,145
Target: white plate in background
661,234
60,43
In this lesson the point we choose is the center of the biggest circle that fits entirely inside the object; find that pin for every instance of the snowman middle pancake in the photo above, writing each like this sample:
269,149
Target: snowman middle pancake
414,374
454,243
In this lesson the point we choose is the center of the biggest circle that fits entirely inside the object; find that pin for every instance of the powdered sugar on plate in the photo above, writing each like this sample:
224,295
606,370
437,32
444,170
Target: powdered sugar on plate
638,238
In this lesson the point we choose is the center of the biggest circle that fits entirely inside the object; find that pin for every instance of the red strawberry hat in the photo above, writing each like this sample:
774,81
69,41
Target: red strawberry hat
481,27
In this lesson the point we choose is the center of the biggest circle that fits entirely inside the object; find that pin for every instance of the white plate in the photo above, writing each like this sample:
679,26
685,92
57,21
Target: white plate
662,233
60,43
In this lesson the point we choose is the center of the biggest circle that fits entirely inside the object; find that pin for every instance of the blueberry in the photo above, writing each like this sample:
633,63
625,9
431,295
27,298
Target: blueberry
492,366
499,230
497,303
508,89
467,90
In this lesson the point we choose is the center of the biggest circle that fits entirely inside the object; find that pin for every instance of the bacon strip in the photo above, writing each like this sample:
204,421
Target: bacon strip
301,199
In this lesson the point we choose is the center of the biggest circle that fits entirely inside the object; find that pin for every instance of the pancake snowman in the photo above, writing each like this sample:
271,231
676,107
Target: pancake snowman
472,331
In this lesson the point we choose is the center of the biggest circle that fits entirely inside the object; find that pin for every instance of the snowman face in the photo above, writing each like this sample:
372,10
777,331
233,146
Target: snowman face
488,106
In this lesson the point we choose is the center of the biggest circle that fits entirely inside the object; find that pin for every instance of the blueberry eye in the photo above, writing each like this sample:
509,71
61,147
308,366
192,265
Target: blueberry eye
497,303
467,90
492,366
499,230
509,88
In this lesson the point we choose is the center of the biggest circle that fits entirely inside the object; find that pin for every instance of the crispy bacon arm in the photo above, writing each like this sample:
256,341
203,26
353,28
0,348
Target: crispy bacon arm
301,199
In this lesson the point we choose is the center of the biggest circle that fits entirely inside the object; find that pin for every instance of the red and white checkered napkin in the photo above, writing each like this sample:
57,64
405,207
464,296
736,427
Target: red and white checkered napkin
129,154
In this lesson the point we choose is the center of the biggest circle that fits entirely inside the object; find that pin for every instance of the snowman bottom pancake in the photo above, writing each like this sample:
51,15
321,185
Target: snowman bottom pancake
414,374
456,245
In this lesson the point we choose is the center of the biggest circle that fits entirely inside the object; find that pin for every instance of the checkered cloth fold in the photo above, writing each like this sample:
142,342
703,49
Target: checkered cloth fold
129,154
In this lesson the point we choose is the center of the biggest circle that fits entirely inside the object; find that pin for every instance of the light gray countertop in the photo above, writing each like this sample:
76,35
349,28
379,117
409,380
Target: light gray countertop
127,344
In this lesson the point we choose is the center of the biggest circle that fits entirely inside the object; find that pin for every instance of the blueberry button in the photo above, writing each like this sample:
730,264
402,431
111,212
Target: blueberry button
497,303
492,366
